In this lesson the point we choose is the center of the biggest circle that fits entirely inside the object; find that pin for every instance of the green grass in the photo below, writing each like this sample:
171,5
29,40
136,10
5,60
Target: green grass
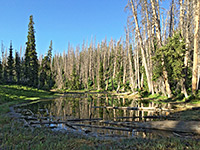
188,114
14,136
157,96
14,94
21,93
83,91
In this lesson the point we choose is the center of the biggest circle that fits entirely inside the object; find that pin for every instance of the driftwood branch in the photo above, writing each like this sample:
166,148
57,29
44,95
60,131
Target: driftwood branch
52,122
175,126
169,125
149,117
102,127
72,125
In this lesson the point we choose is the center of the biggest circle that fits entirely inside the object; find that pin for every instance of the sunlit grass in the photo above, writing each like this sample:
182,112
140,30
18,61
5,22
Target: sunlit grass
157,96
21,92
13,94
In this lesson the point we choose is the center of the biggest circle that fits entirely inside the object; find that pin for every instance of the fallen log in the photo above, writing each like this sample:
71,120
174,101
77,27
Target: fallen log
147,117
102,127
52,122
72,125
92,119
28,117
168,125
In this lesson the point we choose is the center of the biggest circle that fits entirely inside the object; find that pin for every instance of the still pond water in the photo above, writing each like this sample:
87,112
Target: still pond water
94,114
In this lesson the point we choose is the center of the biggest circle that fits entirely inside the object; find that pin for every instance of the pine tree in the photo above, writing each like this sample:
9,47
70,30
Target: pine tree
23,76
10,64
5,73
50,51
17,67
31,61
173,53
75,79
45,76
1,72
50,81
101,80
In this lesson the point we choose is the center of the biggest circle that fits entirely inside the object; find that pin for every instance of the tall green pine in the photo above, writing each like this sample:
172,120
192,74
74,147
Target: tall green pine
43,75
45,70
75,85
10,64
17,67
31,61
1,72
50,81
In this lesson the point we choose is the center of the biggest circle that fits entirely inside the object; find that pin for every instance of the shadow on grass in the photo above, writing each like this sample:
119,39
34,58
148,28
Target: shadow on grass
190,114
10,93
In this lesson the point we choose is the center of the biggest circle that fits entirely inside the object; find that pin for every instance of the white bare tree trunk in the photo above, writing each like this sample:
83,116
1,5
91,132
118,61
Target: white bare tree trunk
195,54
142,46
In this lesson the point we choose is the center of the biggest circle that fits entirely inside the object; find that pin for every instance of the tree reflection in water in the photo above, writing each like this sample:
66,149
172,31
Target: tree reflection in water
97,106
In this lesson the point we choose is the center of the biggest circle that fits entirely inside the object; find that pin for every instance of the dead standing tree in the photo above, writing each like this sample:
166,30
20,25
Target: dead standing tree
195,54
142,45
58,69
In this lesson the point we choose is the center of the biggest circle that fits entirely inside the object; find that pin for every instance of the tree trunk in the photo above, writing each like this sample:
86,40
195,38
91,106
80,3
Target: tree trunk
183,80
181,16
142,47
171,25
131,74
149,46
195,54
138,68
98,66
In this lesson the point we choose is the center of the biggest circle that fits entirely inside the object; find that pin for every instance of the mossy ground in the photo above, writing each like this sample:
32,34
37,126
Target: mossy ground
14,136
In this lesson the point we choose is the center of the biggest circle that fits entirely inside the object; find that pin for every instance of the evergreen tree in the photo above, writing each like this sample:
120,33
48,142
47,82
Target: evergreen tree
1,72
50,51
10,64
50,81
22,69
119,67
31,61
45,77
17,67
101,80
75,85
5,73
173,53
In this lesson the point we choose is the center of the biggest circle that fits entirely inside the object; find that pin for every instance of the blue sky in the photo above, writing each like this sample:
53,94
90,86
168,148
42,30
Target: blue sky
61,21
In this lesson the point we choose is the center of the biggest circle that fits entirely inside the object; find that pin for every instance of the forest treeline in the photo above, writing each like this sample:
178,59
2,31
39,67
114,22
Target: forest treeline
159,54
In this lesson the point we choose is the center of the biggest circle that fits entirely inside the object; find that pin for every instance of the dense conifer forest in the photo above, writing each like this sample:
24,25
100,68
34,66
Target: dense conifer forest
158,55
